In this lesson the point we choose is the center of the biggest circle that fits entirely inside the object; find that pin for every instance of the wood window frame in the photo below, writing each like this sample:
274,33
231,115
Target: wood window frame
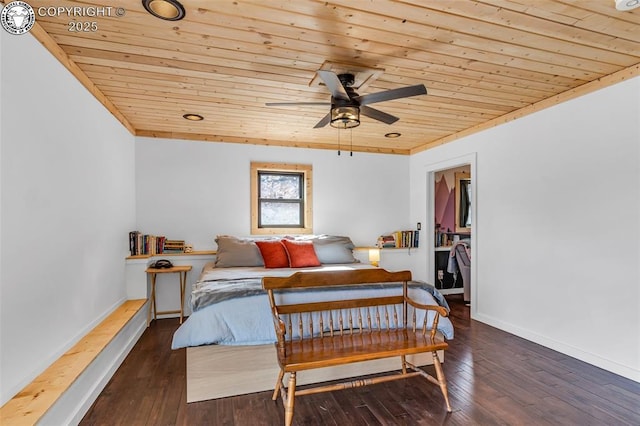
306,170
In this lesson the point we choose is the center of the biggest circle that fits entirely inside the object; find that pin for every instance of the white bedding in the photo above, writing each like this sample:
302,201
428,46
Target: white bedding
246,320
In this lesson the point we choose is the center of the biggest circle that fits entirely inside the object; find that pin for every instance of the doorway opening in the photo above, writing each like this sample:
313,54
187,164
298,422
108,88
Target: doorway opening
451,207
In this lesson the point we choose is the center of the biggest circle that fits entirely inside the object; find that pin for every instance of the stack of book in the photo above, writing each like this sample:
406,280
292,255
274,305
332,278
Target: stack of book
173,245
386,241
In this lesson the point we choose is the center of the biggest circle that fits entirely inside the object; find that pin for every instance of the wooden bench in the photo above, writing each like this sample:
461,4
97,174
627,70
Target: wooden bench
336,332
31,404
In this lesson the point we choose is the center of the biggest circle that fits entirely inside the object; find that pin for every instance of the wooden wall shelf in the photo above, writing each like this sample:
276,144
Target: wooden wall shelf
193,253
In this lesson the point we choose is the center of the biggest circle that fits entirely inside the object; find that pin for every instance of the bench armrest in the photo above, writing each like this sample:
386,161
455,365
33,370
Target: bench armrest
433,327
439,309
280,330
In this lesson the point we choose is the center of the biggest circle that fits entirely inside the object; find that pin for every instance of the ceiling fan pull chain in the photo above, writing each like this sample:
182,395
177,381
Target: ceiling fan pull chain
351,146
338,141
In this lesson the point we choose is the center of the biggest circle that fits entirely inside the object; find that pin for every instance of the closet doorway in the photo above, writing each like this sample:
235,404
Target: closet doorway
452,215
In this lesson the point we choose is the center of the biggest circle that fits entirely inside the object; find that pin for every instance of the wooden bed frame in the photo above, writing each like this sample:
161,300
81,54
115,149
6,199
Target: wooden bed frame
218,371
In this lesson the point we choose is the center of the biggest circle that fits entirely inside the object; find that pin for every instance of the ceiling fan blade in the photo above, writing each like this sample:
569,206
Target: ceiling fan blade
325,120
296,103
376,114
333,84
403,92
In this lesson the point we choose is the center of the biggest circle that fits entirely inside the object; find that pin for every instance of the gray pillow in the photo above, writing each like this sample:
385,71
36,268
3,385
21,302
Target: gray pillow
233,251
334,249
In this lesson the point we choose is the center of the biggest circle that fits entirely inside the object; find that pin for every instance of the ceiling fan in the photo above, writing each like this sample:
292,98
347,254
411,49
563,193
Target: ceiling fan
346,104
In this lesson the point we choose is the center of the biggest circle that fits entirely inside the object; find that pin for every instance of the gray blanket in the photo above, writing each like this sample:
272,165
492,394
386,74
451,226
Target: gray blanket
210,292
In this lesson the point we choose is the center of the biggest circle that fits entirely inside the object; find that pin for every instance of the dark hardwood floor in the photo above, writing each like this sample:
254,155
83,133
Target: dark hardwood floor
494,378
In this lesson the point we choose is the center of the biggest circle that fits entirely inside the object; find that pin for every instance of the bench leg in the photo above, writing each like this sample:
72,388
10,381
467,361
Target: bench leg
291,393
441,379
404,364
278,385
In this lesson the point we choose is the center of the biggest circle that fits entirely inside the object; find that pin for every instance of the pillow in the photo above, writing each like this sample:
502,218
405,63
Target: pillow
273,253
334,249
234,251
301,253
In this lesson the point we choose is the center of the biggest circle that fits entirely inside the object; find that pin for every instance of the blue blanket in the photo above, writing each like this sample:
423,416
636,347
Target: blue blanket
231,308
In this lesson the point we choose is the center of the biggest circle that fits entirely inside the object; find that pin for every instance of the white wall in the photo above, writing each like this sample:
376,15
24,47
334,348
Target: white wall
557,230
196,190
67,176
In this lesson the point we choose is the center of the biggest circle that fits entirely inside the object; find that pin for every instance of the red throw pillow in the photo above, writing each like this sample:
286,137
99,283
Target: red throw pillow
301,254
273,254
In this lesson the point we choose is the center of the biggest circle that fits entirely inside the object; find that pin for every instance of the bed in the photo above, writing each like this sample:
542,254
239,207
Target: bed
229,335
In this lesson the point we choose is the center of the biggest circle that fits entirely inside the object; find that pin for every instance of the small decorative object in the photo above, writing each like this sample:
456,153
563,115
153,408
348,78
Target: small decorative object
188,248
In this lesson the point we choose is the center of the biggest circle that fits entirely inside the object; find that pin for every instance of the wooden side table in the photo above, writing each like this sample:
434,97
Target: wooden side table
153,272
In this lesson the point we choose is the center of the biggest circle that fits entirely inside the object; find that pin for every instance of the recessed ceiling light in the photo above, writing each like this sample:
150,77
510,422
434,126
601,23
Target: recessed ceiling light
169,10
193,117
393,135
627,4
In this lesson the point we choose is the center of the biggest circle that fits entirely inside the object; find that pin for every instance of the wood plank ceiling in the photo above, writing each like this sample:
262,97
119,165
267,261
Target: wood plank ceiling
483,63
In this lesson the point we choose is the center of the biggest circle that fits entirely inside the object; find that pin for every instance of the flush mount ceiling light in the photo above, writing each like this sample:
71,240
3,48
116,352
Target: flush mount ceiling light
193,117
169,10
392,135
627,4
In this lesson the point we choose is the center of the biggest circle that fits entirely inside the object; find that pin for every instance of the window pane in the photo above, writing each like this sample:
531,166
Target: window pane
286,186
274,214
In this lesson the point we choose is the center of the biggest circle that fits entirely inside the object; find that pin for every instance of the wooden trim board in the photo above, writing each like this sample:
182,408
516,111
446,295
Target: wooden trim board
40,401
606,81
219,371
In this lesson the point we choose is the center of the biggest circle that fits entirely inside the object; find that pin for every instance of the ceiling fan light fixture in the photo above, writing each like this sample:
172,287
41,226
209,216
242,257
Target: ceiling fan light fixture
345,117
169,10
392,135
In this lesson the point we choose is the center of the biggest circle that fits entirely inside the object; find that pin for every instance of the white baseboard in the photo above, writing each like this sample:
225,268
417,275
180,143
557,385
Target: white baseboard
71,407
588,357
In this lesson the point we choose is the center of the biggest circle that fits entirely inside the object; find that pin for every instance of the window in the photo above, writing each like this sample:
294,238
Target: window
281,198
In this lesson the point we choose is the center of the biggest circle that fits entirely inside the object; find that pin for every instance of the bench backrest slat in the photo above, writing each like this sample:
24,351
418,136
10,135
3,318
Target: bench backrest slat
331,278
339,304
